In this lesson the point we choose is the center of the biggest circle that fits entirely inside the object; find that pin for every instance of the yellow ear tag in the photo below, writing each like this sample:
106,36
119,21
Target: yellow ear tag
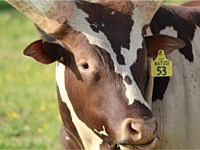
161,66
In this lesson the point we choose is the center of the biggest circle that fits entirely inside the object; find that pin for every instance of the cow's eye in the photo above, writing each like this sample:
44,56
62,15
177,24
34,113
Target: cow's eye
85,66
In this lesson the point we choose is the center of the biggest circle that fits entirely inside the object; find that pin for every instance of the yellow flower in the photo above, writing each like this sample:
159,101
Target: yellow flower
14,115
45,125
8,76
39,130
42,108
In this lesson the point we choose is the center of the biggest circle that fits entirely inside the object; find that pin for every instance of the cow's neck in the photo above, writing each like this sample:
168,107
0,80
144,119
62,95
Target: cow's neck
183,24
176,99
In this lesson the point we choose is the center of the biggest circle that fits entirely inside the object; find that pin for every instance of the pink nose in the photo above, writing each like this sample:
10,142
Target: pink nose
138,131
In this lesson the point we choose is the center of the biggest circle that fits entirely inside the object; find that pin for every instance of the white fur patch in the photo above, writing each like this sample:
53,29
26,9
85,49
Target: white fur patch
90,140
102,132
67,138
78,22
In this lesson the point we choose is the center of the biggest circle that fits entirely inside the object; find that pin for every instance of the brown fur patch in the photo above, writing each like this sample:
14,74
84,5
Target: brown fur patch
124,6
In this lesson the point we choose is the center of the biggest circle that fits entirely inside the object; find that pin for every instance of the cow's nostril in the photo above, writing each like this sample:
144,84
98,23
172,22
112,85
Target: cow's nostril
138,131
132,129
134,132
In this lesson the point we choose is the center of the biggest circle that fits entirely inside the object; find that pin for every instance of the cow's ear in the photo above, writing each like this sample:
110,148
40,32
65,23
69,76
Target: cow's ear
167,43
43,52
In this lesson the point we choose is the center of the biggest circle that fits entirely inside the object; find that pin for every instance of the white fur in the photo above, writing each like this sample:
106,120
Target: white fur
67,138
102,132
79,23
130,56
150,84
90,140
113,12
178,113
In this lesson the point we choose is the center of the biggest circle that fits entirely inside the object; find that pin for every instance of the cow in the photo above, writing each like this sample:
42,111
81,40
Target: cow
106,95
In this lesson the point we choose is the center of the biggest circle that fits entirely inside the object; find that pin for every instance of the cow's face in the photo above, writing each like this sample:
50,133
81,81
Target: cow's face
102,72
103,98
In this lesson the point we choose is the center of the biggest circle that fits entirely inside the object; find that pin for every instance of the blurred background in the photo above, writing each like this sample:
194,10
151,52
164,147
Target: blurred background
29,116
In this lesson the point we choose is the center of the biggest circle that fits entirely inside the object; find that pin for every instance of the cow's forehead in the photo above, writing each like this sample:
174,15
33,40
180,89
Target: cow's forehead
117,33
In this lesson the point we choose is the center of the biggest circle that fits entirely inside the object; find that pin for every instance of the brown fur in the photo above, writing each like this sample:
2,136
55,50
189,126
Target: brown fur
193,3
125,6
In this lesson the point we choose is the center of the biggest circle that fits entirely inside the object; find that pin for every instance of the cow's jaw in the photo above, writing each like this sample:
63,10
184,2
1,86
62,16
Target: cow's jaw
151,145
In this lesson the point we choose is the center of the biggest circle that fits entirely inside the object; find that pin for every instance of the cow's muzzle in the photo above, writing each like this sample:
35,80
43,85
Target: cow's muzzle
137,131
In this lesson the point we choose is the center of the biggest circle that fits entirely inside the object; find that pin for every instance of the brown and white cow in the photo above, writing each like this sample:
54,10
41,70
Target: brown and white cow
104,89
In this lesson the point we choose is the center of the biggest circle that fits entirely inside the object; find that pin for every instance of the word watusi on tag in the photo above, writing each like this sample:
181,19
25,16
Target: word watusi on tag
161,66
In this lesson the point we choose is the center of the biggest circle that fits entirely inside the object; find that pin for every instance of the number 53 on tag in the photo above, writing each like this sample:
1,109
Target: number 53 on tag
161,66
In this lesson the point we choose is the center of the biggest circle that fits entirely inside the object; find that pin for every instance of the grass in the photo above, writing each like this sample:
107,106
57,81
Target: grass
29,115
175,2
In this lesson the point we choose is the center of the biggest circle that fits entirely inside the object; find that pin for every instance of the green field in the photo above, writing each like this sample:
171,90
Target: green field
29,115
175,2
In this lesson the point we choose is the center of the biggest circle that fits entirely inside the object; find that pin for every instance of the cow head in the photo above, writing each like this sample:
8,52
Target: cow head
102,69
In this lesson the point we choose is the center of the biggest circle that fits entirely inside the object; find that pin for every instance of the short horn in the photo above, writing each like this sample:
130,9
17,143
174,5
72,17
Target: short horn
48,14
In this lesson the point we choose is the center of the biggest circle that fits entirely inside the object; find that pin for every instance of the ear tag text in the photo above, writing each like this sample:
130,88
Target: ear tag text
161,66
